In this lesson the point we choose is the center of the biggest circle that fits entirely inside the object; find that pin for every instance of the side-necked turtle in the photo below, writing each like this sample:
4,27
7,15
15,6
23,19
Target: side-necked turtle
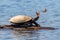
24,20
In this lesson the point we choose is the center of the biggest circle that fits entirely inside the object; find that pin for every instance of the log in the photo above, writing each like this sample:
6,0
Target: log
28,28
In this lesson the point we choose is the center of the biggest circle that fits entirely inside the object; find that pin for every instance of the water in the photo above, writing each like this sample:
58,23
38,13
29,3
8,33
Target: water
7,34
10,8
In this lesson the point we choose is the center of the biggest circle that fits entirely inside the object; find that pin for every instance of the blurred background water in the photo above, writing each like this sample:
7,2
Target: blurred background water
10,8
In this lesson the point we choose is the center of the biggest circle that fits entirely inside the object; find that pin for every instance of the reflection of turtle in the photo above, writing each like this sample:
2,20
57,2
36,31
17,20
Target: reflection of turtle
22,20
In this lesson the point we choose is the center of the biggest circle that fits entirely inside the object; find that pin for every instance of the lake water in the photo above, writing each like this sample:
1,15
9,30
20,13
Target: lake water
10,8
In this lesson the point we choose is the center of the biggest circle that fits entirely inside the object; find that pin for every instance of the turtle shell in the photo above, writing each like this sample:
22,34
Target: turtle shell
20,19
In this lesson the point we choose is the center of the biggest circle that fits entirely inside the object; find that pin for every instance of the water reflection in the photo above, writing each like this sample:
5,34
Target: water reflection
43,34
27,35
9,34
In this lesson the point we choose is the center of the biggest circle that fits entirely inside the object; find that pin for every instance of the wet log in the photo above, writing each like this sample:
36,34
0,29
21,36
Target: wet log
28,28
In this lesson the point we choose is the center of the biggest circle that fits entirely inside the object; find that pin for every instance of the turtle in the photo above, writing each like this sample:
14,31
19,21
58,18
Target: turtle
24,21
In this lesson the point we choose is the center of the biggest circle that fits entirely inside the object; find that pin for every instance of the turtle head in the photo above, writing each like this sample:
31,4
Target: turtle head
38,14
37,17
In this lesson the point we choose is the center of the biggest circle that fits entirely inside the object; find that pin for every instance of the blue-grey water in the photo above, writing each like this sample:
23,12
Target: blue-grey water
10,8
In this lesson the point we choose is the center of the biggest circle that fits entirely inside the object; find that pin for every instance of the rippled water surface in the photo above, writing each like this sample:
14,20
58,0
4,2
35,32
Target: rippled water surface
7,34
10,8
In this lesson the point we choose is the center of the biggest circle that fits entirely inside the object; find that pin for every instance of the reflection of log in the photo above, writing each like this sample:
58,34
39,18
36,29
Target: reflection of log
29,28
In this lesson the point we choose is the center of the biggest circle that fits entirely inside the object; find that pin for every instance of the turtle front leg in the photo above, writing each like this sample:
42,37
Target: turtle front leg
36,24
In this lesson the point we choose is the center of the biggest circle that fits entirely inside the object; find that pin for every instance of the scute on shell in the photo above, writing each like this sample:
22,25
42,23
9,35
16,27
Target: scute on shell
20,19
